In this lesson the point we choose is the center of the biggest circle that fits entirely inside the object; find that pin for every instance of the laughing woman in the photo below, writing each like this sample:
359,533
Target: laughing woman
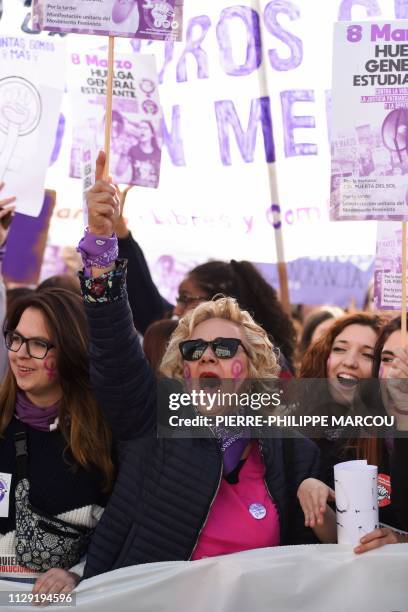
341,359
54,447
354,350
182,499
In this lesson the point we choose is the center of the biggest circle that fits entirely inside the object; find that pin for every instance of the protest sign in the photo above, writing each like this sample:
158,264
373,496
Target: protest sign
31,87
388,266
220,127
152,19
370,121
135,148
356,500
26,244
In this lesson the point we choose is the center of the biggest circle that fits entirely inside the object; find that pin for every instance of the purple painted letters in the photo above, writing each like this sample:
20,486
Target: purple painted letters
193,46
294,43
227,116
346,8
173,140
254,47
291,122
401,9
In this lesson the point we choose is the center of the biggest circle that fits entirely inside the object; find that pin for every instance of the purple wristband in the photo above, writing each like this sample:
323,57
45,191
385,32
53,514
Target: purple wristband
97,251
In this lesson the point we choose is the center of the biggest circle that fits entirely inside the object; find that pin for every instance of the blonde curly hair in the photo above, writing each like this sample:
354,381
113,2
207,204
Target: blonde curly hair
262,361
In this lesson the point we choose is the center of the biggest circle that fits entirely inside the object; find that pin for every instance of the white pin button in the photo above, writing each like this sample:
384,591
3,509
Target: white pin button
100,242
258,511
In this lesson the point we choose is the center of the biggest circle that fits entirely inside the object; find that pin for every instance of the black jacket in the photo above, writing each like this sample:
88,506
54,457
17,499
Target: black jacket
140,283
392,469
165,488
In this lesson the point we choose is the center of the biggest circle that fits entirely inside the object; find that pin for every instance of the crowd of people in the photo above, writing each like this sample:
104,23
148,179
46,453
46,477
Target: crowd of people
78,414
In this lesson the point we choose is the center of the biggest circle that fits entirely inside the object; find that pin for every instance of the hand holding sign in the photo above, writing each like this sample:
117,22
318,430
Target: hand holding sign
6,215
380,537
103,202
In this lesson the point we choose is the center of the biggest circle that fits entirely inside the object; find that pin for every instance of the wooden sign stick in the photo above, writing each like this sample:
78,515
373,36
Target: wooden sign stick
108,111
404,285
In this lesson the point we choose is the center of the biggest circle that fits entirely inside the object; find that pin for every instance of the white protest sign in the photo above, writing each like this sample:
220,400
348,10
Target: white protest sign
370,121
356,500
153,19
388,266
5,481
31,87
136,140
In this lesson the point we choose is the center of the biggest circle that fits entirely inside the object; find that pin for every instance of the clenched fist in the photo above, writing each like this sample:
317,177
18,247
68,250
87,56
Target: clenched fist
103,202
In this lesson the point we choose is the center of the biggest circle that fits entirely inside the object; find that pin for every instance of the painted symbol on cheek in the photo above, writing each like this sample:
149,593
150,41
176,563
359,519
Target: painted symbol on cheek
188,378
50,367
237,369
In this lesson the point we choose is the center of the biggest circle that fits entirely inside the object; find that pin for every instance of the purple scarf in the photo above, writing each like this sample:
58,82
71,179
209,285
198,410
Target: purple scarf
43,419
232,443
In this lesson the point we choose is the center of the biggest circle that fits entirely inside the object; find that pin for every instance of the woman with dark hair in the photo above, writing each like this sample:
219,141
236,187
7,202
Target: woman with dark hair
343,357
316,325
144,156
155,341
354,350
61,281
54,444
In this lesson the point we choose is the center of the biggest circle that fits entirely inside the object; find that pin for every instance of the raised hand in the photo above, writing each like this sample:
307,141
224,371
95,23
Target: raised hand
103,202
6,215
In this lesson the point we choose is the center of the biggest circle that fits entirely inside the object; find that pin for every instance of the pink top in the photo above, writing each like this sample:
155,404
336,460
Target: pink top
232,525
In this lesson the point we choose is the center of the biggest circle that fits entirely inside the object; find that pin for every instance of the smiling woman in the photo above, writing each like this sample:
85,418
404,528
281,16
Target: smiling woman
343,356
354,350
53,440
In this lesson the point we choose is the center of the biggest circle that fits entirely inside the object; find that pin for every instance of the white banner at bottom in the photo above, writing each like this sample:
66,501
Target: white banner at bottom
284,579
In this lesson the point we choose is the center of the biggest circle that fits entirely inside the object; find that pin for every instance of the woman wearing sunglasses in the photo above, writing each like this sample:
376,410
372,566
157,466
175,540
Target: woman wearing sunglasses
182,498
55,464
238,279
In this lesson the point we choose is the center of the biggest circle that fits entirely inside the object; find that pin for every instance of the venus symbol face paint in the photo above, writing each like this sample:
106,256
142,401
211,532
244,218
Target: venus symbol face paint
50,366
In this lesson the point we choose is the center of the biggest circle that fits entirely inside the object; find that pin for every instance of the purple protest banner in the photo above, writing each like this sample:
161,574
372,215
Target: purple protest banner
26,244
370,122
149,19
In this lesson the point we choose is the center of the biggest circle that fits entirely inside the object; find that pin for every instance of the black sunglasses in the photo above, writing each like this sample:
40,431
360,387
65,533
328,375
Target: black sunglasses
223,348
